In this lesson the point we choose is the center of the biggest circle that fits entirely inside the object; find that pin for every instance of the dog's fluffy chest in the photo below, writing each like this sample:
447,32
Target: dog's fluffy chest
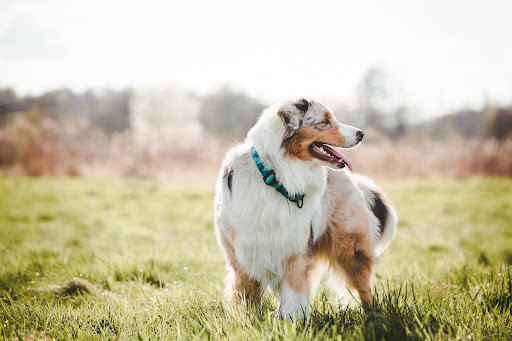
264,257
265,241
265,229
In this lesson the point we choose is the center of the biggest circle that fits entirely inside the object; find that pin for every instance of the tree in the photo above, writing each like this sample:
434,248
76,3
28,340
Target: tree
104,109
499,123
229,114
379,103
372,92
9,102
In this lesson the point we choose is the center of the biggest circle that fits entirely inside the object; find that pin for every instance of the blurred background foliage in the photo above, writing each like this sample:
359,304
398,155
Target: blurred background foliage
166,132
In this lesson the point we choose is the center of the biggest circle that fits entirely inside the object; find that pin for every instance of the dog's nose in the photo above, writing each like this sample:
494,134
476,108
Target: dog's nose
359,135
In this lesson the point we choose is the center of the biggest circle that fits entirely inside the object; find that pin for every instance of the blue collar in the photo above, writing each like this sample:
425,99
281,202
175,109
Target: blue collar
269,176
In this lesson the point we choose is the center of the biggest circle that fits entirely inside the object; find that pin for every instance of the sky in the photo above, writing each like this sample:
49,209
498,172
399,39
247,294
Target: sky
437,55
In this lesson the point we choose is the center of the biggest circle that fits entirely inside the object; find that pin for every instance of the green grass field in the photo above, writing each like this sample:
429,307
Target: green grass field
138,259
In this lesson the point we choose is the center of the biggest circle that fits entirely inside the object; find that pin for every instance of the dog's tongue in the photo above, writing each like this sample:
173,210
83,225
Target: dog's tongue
342,160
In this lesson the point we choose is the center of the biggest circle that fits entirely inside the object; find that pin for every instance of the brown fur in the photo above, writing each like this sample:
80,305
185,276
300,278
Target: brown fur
345,244
297,146
299,266
242,287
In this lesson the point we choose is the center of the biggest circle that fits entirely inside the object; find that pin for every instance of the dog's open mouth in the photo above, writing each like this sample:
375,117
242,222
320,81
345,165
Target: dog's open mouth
325,153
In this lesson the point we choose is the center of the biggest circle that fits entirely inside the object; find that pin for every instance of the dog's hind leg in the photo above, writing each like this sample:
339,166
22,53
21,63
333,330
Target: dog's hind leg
350,265
346,245
357,268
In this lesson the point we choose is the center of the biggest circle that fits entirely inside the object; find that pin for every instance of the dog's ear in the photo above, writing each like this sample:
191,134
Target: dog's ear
292,119
292,115
302,105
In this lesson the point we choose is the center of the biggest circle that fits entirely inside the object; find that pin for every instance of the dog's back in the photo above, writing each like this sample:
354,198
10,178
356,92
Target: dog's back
345,190
381,208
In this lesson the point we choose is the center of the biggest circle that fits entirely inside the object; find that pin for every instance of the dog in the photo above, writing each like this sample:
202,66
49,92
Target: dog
281,215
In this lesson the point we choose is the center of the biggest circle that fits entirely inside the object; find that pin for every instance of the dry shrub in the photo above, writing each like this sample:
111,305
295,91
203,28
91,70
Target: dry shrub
46,147
176,156
38,147
455,158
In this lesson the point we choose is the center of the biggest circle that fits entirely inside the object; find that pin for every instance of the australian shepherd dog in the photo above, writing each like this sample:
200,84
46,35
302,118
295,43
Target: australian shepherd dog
281,216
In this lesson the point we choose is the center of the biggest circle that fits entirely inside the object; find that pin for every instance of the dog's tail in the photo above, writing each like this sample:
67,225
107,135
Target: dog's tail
382,209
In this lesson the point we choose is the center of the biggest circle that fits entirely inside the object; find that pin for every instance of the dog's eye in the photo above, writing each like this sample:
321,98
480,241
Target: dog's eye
327,121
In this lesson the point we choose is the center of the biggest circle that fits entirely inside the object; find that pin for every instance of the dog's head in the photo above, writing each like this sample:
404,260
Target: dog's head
311,130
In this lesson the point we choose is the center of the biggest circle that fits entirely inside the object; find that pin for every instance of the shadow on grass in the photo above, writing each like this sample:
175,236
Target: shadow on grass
391,318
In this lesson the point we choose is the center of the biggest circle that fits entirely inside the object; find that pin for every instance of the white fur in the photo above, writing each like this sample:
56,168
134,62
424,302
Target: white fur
268,227
350,133
292,304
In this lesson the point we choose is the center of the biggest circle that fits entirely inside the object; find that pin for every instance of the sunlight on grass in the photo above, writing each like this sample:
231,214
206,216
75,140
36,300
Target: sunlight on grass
138,259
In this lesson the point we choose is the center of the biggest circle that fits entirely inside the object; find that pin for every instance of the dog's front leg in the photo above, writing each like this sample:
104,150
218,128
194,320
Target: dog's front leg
294,290
293,304
241,288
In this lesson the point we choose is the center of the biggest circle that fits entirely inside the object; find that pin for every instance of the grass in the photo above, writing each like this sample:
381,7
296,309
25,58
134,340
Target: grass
84,258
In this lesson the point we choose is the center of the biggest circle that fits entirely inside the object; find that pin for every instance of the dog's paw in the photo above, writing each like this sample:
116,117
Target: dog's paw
293,305
300,313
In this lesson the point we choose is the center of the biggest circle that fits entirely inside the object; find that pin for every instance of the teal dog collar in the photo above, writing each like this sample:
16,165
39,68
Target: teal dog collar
269,176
